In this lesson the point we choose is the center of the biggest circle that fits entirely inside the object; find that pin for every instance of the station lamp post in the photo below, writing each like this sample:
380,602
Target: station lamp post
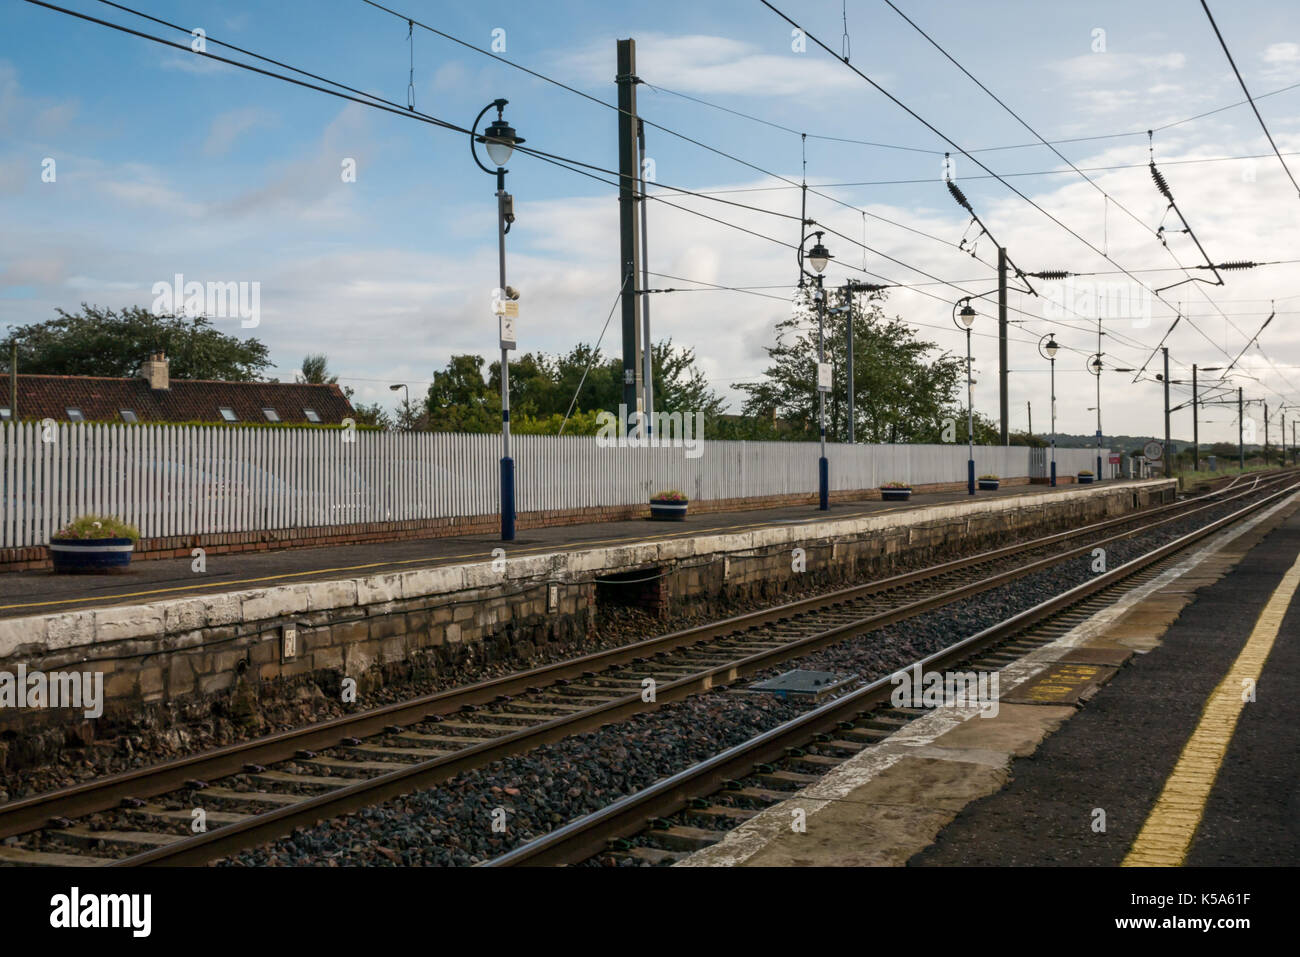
1048,348
963,319
406,393
1095,367
817,257
500,140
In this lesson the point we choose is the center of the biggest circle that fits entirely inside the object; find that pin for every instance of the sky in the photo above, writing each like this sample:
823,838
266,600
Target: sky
165,162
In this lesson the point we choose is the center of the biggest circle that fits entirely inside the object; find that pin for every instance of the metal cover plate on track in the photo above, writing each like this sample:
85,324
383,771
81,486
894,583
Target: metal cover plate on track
798,681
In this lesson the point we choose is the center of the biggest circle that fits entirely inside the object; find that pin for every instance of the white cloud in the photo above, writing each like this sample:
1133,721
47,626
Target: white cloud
1281,63
708,65
228,127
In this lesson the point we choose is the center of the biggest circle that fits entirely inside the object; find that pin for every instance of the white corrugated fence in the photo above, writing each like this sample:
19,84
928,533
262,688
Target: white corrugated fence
188,480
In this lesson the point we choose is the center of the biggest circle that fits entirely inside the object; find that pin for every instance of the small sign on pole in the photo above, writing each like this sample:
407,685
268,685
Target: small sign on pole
1153,450
508,340
823,377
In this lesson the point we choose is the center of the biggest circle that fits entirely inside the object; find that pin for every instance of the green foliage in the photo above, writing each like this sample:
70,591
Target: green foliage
580,423
98,526
103,342
542,389
902,392
896,485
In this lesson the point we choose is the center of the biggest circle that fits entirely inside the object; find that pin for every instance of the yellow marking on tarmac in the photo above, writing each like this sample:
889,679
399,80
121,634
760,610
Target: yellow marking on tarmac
428,560
1167,834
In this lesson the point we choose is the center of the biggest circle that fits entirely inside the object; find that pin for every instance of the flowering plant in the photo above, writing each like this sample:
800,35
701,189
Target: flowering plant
98,526
669,495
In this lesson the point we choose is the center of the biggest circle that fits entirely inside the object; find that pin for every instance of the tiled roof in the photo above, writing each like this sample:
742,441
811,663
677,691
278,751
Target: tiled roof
188,400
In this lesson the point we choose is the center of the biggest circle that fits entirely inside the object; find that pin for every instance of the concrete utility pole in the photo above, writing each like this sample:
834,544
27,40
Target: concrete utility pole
848,295
1241,431
647,347
1196,423
1266,434
1168,467
629,239
1002,345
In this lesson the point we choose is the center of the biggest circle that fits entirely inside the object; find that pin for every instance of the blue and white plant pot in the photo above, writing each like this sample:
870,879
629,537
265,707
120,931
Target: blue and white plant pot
895,494
78,555
666,511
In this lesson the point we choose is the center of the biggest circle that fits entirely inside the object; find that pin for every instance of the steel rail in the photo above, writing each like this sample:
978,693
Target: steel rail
34,812
270,825
589,835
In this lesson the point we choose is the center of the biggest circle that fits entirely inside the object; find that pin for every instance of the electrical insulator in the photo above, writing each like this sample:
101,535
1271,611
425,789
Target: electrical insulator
1051,274
958,195
1161,185
1237,264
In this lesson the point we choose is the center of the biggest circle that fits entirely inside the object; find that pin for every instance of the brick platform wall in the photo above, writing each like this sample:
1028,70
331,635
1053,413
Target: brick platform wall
181,546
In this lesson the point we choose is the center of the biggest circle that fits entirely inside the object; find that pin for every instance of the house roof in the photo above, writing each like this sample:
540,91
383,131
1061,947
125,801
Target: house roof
102,399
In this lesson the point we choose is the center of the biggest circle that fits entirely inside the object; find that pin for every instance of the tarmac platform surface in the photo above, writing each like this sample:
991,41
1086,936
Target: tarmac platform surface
41,592
1172,737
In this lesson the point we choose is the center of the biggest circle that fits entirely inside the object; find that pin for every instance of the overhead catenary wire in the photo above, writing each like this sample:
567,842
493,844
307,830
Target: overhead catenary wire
365,99
1264,126
810,36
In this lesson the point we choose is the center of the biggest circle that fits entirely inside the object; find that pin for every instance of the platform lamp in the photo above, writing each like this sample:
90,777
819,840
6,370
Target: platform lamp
1095,366
818,257
1048,348
406,393
500,140
963,319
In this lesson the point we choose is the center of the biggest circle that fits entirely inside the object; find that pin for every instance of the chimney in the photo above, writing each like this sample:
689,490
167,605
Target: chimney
155,372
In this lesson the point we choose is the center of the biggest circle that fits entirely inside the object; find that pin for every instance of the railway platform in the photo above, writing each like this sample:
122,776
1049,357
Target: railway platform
1158,732
24,593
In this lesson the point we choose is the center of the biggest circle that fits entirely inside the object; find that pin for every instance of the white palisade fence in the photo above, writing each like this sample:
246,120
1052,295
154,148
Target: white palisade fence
189,480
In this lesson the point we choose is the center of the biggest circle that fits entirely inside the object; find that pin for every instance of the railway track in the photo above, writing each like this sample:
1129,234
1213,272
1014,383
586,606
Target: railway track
262,789
696,808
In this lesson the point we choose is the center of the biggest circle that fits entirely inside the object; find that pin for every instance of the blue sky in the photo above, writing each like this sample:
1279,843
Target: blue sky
168,163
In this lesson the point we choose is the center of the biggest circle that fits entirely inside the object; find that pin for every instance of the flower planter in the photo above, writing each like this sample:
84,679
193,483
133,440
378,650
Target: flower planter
989,485
1085,479
90,555
668,510
895,494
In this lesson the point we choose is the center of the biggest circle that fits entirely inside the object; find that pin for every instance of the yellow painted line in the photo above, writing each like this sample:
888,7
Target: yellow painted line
426,560
1167,834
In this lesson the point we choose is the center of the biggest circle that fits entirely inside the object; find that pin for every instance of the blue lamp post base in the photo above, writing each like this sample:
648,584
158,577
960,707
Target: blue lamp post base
507,500
1053,475
970,476
823,484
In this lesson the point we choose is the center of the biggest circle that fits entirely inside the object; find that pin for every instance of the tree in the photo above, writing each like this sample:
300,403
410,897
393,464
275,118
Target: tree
316,371
103,342
902,392
543,390
459,399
